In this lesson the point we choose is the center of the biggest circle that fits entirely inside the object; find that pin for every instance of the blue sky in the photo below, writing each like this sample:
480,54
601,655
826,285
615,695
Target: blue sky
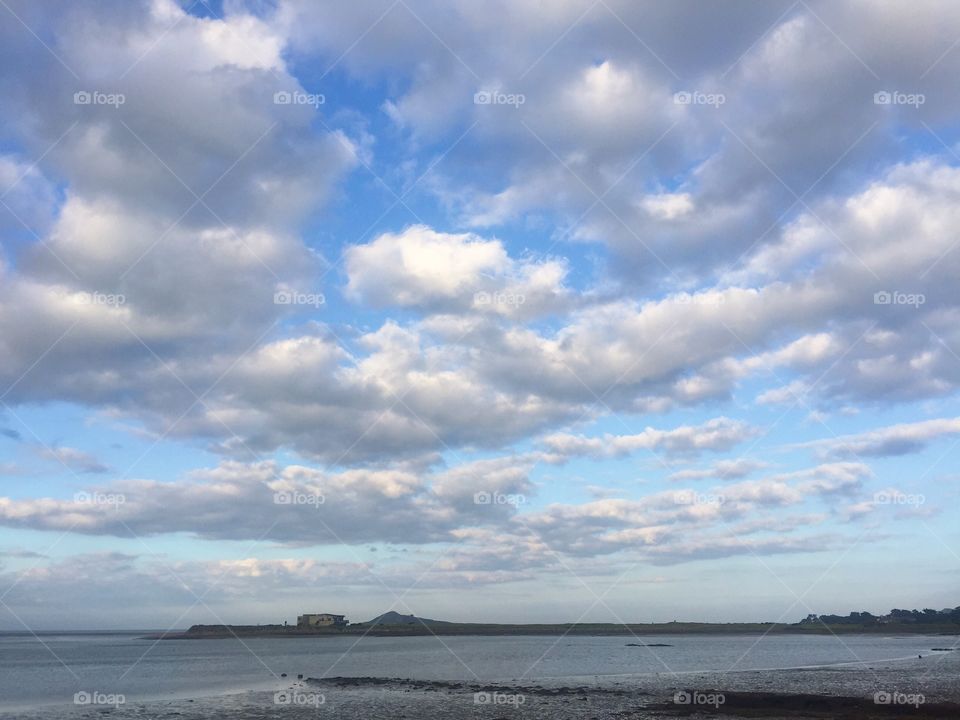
501,312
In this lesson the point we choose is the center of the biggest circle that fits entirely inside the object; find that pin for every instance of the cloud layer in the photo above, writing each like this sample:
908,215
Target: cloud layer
435,290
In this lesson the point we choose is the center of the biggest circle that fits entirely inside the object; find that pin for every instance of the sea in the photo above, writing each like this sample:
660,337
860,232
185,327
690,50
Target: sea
54,675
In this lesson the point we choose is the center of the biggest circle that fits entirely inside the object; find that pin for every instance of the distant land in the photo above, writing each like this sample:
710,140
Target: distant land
395,618
924,622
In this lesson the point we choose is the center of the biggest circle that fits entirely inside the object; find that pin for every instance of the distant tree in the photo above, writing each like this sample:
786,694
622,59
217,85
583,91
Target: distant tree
926,616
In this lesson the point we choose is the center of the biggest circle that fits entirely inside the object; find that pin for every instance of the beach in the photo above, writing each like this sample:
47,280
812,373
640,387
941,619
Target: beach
363,698
488,678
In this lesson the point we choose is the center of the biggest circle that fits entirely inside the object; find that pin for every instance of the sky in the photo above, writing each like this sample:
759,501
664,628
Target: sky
512,311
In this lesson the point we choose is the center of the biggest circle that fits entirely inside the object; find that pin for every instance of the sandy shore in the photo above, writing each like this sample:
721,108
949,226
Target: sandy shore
396,699
917,688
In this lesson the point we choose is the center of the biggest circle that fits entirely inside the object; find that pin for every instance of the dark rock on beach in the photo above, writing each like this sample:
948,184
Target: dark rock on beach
809,707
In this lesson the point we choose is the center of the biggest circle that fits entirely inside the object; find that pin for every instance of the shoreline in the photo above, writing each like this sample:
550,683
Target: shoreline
307,681
213,632
355,697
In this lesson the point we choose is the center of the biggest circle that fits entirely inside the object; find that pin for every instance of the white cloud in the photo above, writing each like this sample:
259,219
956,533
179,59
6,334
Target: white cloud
648,256
716,435
668,206
722,470
441,272
901,439
289,504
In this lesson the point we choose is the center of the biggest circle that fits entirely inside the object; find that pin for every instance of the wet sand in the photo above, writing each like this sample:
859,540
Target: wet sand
926,687
396,699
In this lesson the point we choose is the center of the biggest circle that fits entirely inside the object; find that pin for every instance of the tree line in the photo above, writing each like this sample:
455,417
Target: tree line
927,616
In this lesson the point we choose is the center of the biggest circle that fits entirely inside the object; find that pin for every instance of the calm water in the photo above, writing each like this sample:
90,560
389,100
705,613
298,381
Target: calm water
50,669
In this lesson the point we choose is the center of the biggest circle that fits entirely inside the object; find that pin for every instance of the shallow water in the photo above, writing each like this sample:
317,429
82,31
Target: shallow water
49,670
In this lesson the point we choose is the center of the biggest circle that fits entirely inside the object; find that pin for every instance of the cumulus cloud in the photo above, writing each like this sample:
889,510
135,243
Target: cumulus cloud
454,380
440,272
722,470
715,435
659,525
902,439
196,303
618,233
789,488
182,204
291,504
301,506
607,126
